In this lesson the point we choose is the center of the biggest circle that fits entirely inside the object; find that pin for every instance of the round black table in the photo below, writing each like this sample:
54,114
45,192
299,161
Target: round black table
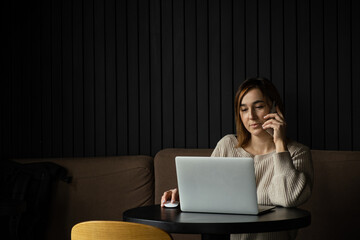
173,220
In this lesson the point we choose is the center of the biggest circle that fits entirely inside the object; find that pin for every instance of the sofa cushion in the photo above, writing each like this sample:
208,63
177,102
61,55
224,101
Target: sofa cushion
334,203
102,188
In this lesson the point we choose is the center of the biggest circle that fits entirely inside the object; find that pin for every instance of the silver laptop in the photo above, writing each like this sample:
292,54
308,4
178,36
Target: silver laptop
218,185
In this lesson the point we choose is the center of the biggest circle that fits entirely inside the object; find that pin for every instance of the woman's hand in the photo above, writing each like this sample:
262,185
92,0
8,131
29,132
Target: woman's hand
277,122
172,195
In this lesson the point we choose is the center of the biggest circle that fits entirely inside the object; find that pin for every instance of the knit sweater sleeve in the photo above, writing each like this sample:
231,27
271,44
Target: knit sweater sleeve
292,180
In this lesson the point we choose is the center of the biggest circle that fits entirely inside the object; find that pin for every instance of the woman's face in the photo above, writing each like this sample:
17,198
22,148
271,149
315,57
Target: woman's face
253,108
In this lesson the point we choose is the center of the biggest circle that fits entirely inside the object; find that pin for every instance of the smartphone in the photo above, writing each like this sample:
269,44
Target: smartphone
273,110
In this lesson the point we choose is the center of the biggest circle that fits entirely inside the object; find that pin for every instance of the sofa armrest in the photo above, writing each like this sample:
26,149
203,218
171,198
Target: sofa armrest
102,188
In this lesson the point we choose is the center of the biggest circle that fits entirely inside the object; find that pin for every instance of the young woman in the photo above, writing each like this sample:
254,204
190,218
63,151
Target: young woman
283,168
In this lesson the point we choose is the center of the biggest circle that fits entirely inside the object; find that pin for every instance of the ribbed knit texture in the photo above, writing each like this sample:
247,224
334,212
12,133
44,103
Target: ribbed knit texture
282,179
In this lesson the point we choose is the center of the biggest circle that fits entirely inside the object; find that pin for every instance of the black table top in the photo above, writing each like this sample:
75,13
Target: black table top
173,220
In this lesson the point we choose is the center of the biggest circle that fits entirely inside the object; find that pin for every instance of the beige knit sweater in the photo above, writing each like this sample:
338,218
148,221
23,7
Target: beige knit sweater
282,179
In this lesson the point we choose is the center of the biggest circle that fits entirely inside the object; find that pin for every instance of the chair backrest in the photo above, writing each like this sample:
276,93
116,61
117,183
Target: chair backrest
111,230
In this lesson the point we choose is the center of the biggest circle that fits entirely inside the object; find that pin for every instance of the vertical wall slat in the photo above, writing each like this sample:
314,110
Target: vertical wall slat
317,75
110,70
239,49
355,73
89,79
122,78
264,38
133,77
191,130
21,68
144,77
78,77
15,88
46,80
331,74
214,72
303,73
344,75
6,76
202,53
25,102
167,73
227,96
290,67
67,78
155,76
179,73
56,79
100,78
37,86
277,45
252,38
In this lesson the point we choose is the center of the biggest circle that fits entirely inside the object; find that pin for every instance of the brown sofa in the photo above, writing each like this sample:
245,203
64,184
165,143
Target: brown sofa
104,187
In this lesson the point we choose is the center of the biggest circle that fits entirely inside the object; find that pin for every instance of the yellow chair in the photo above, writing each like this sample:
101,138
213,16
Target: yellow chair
116,230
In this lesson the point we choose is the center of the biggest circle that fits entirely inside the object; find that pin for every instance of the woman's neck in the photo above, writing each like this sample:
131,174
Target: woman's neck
260,146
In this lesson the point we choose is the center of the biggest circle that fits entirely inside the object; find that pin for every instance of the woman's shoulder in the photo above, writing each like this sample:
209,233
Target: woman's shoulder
227,147
229,140
295,147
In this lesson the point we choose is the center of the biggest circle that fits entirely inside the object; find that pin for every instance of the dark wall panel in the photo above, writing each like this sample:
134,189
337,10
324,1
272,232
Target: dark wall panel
78,78
167,74
202,73
121,50
144,77
277,45
191,122
239,39
344,72
303,72
100,79
226,78
317,74
89,78
67,77
290,83
355,74
214,72
133,77
108,77
331,74
156,131
56,78
179,73
46,117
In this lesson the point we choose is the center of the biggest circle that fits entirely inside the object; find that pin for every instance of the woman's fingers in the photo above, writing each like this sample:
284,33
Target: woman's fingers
276,116
166,195
171,195
279,129
174,195
274,123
